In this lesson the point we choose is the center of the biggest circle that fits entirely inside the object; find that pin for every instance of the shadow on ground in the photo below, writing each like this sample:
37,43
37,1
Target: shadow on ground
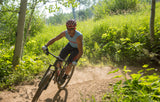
60,96
145,72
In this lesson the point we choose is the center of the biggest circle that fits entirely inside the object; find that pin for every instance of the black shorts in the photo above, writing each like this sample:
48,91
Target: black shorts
68,49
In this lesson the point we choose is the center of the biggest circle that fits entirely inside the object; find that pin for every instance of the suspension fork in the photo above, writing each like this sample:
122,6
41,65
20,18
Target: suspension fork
48,69
45,74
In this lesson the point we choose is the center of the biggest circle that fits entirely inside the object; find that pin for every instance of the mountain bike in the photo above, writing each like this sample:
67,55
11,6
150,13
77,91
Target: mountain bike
55,71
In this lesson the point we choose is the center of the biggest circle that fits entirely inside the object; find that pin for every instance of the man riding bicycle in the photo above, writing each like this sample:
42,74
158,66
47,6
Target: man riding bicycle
74,47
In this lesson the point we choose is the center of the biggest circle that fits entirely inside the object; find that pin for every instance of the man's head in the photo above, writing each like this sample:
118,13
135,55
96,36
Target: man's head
71,26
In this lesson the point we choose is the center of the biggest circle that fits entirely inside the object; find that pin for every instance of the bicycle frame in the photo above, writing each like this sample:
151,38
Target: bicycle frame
62,69
49,68
58,60
49,75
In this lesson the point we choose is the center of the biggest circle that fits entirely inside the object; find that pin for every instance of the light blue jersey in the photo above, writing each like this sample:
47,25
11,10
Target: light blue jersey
72,40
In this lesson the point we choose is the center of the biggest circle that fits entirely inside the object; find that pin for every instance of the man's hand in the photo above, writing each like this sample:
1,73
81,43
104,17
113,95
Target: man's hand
44,48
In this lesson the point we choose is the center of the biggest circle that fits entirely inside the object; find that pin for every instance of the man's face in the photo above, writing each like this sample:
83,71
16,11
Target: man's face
71,31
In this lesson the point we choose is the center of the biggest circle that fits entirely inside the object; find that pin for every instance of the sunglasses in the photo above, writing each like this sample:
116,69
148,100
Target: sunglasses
70,29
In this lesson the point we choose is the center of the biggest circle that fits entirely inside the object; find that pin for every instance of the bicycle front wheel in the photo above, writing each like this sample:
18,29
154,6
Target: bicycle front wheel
61,86
43,85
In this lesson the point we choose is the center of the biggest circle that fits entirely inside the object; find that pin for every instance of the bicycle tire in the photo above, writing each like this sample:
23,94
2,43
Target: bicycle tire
42,86
62,86
52,74
44,76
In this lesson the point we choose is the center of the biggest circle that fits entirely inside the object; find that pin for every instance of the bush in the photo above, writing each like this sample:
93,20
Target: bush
6,61
26,70
106,7
140,88
29,67
124,39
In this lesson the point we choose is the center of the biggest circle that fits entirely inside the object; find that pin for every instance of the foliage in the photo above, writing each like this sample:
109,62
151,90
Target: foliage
8,23
9,19
5,60
61,18
106,7
30,66
37,24
124,39
140,88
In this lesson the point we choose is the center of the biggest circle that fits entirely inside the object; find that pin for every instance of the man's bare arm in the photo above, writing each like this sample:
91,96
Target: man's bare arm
80,46
56,38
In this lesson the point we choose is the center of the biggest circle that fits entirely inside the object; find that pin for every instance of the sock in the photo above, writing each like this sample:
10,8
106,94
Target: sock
65,75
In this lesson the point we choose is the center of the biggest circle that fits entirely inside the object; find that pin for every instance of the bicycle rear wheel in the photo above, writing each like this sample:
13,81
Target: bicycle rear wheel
43,85
61,86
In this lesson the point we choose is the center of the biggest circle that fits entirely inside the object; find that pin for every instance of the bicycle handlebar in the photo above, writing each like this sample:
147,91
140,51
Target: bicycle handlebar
47,53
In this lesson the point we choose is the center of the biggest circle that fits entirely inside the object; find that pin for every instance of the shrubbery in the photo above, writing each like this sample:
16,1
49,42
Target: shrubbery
142,87
29,66
124,39
111,7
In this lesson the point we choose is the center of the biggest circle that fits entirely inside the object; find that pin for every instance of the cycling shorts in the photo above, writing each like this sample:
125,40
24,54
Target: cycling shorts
68,49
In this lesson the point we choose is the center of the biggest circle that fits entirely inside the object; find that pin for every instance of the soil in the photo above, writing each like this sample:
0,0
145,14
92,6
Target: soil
86,84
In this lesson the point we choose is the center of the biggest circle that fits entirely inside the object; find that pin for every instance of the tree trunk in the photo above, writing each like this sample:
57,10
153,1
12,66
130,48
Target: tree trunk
29,23
152,21
74,13
20,33
1,1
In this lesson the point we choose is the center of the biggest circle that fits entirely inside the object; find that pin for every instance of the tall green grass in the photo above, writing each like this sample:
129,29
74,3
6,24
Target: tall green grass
123,38
107,7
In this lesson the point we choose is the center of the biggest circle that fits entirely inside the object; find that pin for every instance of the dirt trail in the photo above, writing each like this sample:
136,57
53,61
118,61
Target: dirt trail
84,84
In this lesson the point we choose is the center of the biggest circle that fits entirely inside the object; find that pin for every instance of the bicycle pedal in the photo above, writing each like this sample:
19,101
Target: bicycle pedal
59,82
54,79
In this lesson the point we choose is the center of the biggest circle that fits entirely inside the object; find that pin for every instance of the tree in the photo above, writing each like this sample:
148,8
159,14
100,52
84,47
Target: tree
74,13
1,1
30,19
33,4
8,20
80,2
20,33
152,20
85,5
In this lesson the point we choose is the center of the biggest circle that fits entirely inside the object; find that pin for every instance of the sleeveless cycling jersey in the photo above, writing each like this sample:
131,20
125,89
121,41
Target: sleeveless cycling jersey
72,40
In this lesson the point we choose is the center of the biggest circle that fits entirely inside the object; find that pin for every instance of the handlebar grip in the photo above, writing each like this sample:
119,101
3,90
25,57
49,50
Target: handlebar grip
47,52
